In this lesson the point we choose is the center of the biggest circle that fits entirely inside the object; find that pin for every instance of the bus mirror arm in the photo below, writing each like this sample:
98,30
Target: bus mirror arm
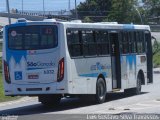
155,45
153,37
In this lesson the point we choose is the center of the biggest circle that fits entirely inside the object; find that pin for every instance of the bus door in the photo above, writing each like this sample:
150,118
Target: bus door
149,57
115,60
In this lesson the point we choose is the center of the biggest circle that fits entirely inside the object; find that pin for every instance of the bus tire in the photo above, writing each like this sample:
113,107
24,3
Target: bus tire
50,100
100,91
137,89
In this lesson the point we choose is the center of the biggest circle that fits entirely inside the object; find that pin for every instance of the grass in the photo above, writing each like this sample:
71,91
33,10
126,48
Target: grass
156,56
156,60
0,47
4,98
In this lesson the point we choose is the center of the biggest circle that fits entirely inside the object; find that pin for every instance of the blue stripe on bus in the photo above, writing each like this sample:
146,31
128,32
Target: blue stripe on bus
93,74
128,26
38,68
17,54
129,60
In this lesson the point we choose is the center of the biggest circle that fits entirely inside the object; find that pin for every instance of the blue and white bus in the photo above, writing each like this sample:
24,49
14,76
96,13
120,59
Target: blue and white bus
52,59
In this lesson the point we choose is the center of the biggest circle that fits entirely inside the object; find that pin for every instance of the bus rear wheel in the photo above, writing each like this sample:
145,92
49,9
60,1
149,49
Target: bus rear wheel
50,100
137,89
100,91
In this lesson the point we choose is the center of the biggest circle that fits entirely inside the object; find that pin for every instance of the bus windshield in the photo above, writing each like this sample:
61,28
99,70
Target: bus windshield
32,37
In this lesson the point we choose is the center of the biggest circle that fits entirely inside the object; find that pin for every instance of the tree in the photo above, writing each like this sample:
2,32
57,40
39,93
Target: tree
152,6
151,9
121,11
87,19
95,10
124,11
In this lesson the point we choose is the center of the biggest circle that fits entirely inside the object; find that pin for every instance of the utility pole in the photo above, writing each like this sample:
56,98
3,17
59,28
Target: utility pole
76,9
7,5
22,6
43,9
69,5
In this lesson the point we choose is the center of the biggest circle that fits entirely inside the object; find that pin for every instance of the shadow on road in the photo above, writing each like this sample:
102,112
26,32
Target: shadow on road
66,104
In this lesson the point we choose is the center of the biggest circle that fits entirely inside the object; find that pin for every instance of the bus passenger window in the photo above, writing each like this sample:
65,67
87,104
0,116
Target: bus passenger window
125,43
140,42
143,42
16,41
74,43
102,42
134,44
89,45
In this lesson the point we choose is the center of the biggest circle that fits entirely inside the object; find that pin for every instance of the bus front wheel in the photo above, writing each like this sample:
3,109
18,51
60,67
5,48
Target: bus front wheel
100,91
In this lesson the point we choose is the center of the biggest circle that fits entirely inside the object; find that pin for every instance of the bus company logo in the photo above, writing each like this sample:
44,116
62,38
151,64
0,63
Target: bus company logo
100,66
40,64
13,33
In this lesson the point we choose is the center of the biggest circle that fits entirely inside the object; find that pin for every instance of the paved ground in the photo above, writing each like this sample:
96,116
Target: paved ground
116,103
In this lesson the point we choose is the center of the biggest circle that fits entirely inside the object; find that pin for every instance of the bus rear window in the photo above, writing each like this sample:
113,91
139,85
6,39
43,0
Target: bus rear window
32,37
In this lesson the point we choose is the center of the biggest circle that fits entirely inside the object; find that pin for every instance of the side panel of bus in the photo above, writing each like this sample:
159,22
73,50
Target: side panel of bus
85,70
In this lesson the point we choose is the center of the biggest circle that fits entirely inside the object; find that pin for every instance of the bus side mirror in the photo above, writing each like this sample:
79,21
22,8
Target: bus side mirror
153,38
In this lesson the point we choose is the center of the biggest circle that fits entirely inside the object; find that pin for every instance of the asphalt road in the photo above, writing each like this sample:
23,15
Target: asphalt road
116,103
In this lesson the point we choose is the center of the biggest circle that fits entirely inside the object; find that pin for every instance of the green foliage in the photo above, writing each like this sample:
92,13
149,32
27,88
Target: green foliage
4,98
124,11
0,65
156,56
93,8
121,11
150,9
156,59
0,47
152,6
87,19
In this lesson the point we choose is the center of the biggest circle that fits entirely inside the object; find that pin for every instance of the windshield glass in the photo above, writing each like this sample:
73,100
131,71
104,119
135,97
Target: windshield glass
32,37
